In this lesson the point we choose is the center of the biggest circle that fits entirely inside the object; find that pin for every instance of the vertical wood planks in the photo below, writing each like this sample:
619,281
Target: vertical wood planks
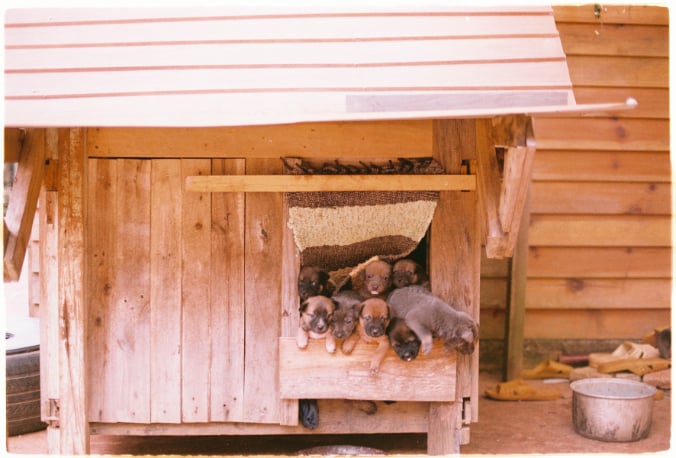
195,281
73,418
226,317
165,291
263,254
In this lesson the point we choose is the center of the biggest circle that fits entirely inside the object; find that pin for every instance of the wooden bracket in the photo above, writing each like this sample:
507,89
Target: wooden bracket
23,200
503,192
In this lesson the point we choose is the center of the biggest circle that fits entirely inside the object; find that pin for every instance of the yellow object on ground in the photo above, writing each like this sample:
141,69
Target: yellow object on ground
625,351
640,366
547,369
518,390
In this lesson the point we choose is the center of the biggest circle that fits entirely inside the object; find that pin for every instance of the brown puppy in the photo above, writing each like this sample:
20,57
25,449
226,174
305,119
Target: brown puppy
374,317
428,316
375,279
316,315
402,339
346,316
407,272
313,281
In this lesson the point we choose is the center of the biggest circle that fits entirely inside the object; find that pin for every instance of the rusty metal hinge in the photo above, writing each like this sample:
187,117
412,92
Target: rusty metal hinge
53,412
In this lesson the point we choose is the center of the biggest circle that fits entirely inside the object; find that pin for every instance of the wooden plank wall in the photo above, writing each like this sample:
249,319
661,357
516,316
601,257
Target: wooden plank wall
599,264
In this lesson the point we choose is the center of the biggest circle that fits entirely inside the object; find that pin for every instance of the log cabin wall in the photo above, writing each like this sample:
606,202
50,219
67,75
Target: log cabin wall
599,244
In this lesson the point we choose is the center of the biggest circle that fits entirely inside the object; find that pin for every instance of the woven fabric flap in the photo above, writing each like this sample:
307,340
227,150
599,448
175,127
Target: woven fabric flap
336,230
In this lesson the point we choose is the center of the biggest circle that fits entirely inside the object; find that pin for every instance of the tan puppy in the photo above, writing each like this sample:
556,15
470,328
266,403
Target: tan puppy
402,339
313,281
406,272
316,316
374,317
430,317
375,279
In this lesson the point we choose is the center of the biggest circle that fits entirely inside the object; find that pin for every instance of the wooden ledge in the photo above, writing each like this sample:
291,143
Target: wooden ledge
309,183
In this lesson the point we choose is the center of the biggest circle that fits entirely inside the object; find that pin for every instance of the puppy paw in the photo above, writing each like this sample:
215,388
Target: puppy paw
374,371
426,346
301,342
308,413
331,348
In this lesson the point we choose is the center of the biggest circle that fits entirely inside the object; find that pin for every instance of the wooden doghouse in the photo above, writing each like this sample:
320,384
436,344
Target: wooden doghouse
168,269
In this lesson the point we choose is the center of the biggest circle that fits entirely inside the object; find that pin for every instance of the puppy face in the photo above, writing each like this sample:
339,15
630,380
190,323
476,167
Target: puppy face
345,320
377,278
403,340
407,272
374,317
313,281
464,335
316,314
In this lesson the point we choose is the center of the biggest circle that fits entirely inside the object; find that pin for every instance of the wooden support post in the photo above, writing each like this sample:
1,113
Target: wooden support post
454,274
516,305
73,422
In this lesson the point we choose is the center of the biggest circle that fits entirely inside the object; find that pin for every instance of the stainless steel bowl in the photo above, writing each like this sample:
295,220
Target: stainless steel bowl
611,409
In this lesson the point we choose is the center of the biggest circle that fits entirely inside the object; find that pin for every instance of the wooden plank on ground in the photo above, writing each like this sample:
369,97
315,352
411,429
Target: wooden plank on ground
73,371
101,282
303,183
23,200
195,278
132,295
606,166
593,262
330,140
226,319
312,373
263,273
601,230
165,290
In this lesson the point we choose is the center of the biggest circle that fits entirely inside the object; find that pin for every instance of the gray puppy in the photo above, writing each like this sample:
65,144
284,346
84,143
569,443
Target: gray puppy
428,316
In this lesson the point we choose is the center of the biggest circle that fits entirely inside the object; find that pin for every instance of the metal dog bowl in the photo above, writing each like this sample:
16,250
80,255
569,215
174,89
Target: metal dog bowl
612,410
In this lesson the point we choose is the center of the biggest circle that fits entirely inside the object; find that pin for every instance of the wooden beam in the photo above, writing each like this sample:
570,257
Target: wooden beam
23,201
73,421
14,139
308,183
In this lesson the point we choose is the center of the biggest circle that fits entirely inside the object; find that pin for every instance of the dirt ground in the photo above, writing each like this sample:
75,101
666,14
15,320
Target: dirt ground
533,427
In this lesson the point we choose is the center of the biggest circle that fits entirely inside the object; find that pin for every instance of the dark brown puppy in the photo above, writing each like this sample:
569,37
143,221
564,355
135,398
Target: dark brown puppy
313,281
316,316
406,272
346,316
374,317
375,279
402,339
428,316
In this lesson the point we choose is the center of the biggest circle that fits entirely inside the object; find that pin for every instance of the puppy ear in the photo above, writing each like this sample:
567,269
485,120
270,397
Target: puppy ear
390,311
336,304
303,306
360,307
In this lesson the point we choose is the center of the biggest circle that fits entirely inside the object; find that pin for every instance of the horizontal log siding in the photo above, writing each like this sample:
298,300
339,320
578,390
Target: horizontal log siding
599,263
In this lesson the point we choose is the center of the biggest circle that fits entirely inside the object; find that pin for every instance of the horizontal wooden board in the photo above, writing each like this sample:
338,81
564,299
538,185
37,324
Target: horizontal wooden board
601,230
313,373
598,293
337,416
613,14
604,166
614,39
376,139
307,183
492,268
593,262
652,102
600,198
591,134
593,324
493,293
619,71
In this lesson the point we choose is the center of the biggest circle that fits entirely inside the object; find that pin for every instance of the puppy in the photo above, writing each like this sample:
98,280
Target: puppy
402,339
428,317
406,272
313,281
376,279
374,317
316,316
346,316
